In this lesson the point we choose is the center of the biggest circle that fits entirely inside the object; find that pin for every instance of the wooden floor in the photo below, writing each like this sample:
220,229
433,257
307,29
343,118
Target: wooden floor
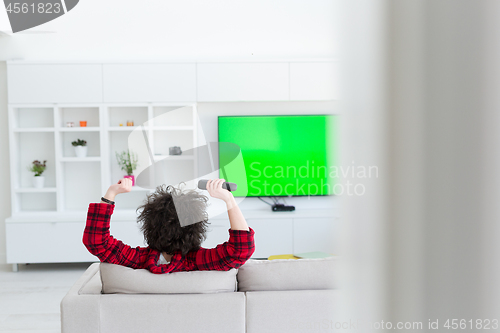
30,298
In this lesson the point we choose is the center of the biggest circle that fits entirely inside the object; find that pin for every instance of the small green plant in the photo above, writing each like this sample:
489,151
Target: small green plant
127,161
37,167
79,142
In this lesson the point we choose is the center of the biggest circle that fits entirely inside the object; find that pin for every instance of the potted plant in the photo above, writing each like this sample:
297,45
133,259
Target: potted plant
128,162
80,147
38,168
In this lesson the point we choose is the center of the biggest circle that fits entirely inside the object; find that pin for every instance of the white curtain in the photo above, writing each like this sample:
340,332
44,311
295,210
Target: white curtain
421,102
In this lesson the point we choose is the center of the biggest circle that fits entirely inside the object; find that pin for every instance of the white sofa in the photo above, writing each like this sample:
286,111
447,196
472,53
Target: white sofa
261,296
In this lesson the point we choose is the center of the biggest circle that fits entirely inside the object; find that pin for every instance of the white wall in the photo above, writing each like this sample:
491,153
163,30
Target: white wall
160,30
4,164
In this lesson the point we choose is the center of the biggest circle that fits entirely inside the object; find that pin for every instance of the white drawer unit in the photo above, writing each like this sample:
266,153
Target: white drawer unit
314,81
128,232
149,82
55,83
242,82
272,236
172,82
60,241
276,234
42,242
310,235
56,237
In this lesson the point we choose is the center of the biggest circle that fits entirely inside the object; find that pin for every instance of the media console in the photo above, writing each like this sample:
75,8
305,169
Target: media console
57,237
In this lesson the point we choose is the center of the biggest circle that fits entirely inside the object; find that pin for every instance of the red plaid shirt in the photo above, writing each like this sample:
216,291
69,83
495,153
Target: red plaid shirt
97,239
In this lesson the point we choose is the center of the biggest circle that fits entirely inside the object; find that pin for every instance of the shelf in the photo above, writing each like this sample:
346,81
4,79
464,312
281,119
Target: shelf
129,214
93,139
41,133
36,201
77,114
123,128
172,116
33,129
173,157
79,129
81,159
35,190
155,128
30,117
173,128
81,185
68,216
131,200
163,139
140,189
121,114
28,147
264,213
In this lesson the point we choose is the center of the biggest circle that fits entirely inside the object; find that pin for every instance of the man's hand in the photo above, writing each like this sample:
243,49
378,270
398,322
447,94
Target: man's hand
123,186
214,188
236,218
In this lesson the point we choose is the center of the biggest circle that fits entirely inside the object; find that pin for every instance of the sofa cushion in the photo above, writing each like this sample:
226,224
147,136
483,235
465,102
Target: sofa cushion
124,280
92,286
288,274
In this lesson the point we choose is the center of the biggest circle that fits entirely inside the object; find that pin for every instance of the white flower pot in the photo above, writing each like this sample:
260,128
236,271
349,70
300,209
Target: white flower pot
81,151
38,181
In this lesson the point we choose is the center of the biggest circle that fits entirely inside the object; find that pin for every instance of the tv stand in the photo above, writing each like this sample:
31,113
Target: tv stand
306,229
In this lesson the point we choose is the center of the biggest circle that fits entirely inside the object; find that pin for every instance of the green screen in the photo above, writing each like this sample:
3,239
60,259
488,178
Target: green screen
282,155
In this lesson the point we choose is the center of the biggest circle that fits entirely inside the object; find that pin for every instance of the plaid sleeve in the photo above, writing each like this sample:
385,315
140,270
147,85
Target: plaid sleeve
230,254
99,242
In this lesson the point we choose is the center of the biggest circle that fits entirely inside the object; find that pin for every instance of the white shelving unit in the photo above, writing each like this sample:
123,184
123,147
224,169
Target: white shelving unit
161,100
39,132
44,220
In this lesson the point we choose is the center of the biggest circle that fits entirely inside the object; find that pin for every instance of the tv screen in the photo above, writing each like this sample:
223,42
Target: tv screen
282,155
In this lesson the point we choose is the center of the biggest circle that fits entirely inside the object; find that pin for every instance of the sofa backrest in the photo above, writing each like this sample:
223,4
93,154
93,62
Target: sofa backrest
124,280
288,274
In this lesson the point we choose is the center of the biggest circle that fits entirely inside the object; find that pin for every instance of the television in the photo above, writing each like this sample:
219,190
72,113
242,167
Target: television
283,155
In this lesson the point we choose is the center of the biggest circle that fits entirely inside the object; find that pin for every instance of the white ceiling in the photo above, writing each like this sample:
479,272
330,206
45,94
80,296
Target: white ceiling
130,29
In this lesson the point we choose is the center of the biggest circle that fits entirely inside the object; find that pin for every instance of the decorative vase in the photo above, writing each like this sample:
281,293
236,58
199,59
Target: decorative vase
38,181
175,150
131,177
81,151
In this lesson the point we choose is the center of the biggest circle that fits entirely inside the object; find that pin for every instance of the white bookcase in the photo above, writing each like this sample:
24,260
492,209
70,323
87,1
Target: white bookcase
39,132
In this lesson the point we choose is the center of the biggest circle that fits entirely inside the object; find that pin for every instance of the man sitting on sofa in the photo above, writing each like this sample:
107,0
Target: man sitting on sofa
171,246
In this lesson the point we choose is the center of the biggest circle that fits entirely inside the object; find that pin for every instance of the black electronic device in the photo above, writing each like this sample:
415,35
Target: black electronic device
282,208
202,185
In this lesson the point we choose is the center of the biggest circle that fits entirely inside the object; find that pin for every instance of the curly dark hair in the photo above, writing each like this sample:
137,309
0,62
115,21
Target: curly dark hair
162,228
